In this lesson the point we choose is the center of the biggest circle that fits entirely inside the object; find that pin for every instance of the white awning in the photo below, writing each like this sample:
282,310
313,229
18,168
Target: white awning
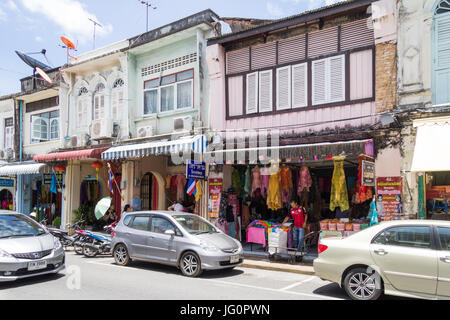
195,144
432,150
19,169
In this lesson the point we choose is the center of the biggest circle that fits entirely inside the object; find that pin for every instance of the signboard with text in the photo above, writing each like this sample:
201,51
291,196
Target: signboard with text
368,173
196,170
389,195
215,190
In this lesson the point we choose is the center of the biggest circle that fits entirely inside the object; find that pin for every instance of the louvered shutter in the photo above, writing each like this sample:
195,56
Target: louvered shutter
319,82
337,78
238,61
442,60
299,85
284,88
252,93
265,91
114,106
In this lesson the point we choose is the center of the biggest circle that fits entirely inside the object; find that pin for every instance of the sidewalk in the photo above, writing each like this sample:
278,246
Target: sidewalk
275,266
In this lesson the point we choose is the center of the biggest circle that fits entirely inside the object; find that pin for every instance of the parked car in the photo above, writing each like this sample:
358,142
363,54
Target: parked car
27,248
179,239
401,258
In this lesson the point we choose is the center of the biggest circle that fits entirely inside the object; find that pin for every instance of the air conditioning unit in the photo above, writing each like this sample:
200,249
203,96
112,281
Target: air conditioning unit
2,154
143,132
101,129
6,154
182,124
73,141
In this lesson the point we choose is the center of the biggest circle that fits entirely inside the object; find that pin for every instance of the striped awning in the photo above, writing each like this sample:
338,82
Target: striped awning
195,144
19,169
93,153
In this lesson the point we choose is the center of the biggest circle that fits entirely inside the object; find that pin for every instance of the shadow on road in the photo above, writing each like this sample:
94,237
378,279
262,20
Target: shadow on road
30,281
331,290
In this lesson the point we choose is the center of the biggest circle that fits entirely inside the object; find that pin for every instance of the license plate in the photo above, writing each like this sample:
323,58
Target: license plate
37,265
234,259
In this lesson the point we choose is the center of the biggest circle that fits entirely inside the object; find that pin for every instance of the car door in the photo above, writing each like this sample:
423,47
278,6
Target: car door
138,234
163,247
443,287
407,257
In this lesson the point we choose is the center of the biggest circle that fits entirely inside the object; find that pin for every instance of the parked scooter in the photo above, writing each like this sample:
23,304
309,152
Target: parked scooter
96,243
63,235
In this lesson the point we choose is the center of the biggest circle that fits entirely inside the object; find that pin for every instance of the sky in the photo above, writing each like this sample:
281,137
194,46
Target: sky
32,25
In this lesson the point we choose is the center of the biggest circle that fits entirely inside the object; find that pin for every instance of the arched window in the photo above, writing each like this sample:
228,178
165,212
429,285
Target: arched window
99,102
117,99
82,107
441,53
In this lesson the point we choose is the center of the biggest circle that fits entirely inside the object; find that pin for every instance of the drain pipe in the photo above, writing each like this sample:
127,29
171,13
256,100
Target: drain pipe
19,189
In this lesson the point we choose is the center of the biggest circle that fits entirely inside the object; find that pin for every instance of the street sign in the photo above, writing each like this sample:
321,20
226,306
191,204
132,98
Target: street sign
7,183
196,170
368,173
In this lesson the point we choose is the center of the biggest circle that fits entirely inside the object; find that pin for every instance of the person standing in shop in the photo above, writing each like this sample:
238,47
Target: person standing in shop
298,214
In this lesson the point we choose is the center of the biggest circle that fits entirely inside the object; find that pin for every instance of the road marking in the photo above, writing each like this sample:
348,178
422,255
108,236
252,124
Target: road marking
297,284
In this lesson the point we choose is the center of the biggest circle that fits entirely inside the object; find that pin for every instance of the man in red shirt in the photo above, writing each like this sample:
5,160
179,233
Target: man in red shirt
298,214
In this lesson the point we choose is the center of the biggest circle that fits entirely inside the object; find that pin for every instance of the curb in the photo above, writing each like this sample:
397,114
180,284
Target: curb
308,270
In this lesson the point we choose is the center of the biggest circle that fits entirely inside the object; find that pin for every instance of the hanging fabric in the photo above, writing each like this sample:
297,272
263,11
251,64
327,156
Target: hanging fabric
265,177
236,181
286,183
256,179
339,195
247,183
304,180
274,201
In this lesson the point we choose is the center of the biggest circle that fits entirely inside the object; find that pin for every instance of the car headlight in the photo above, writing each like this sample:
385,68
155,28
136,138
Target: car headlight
239,244
208,246
56,243
4,254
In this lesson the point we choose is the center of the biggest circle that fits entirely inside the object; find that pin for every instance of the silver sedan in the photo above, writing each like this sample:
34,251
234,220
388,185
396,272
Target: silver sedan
402,258
184,240
26,248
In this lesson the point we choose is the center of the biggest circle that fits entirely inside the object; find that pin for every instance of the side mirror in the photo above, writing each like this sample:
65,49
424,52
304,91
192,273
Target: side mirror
170,232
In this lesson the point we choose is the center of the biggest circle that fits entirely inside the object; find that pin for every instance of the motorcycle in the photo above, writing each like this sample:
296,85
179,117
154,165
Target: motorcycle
63,235
96,243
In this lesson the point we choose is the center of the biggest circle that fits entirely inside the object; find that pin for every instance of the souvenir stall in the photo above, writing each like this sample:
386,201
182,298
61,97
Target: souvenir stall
44,202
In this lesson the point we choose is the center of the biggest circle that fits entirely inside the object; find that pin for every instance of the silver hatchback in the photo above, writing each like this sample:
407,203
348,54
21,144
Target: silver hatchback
27,248
184,240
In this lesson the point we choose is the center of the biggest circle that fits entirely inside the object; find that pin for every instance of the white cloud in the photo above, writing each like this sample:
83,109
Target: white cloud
70,15
11,5
274,10
330,2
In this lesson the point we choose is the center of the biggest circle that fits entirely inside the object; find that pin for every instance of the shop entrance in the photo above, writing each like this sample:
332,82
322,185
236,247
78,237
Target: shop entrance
149,192
6,199
90,193
438,195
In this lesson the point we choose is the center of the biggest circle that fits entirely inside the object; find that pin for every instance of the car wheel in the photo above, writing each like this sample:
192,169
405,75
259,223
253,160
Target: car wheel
190,264
362,284
121,255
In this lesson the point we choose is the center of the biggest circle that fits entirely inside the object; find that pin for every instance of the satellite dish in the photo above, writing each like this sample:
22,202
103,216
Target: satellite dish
69,46
44,75
32,62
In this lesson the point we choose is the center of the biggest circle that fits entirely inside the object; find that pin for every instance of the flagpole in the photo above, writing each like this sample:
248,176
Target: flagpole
117,185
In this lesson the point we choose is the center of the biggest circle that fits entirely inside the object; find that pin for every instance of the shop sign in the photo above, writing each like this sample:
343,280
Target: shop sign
389,195
215,190
196,170
7,183
47,179
368,173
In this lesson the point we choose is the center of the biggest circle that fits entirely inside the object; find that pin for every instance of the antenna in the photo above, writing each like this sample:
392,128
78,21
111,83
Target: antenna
95,24
148,5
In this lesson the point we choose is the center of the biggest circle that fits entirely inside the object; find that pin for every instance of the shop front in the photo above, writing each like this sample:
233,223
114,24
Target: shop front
333,182
7,193
432,167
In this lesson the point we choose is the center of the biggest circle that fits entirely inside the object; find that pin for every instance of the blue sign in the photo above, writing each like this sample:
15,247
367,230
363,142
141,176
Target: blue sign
196,170
8,183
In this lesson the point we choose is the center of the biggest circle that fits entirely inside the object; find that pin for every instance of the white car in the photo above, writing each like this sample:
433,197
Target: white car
401,258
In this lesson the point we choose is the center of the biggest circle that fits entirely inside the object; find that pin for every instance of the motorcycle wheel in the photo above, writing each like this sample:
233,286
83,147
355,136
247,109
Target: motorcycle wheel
89,252
78,248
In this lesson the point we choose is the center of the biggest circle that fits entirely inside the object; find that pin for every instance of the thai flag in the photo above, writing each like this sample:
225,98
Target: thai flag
192,186
110,180
369,148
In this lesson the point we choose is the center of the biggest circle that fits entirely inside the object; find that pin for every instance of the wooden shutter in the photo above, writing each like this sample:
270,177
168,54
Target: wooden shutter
323,42
9,137
319,82
292,49
265,91
356,34
442,59
252,93
284,88
238,61
235,95
264,55
337,78
114,104
300,85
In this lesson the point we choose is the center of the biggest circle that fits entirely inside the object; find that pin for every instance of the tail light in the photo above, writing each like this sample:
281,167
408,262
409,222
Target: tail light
322,248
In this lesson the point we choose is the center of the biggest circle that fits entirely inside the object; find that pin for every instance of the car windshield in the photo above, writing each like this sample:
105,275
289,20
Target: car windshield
194,224
17,225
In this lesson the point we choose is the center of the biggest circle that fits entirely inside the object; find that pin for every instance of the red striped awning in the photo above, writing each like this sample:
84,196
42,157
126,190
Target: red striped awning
71,155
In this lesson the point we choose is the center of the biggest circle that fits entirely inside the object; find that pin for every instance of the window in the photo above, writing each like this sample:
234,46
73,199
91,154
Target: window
444,236
127,219
9,133
328,80
45,127
99,102
292,87
117,99
140,223
265,91
252,93
161,225
441,53
82,107
408,236
169,93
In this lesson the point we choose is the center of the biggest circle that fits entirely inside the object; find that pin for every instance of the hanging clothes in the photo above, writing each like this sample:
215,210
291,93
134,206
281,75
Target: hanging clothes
265,177
256,179
304,180
274,201
180,182
286,182
247,183
339,195
236,181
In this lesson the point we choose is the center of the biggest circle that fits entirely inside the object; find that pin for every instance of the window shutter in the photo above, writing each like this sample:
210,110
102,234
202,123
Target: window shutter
238,61
265,91
337,78
319,82
9,137
299,85
284,88
252,93
442,63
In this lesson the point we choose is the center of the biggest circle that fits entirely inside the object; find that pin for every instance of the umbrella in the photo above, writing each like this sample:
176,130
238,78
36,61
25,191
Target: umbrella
102,206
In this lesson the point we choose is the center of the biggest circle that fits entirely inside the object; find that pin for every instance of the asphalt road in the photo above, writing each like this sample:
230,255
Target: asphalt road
101,278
